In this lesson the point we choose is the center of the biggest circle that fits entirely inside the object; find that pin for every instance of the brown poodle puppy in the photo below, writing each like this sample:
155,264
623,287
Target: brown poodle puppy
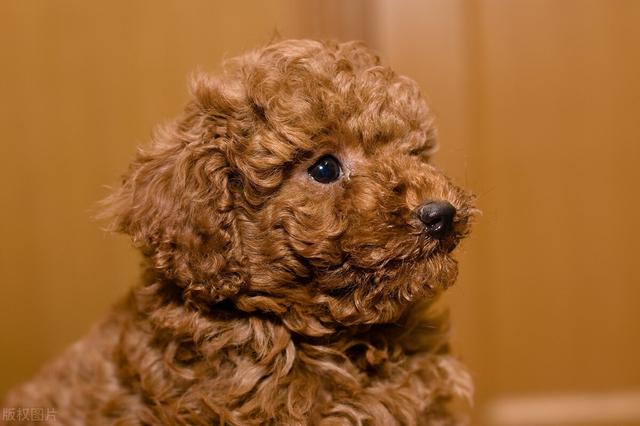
294,236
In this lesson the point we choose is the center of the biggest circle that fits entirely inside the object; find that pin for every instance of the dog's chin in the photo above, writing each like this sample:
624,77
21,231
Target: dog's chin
433,274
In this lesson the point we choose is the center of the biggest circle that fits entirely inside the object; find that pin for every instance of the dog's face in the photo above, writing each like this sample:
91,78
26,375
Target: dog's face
299,185
368,230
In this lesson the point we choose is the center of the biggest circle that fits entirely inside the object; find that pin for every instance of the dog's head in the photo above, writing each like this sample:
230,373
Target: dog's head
298,184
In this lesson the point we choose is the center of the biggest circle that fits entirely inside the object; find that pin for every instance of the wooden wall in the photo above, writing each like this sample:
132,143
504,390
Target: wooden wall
538,104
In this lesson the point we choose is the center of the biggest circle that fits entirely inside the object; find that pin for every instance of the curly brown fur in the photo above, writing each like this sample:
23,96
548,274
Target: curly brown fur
268,297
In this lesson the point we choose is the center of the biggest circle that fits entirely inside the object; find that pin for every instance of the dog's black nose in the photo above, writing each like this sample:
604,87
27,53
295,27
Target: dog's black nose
437,217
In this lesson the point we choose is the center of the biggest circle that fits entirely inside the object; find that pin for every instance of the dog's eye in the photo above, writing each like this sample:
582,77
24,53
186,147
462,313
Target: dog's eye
325,170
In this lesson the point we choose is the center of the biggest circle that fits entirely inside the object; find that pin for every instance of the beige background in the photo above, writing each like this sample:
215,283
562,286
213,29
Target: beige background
539,109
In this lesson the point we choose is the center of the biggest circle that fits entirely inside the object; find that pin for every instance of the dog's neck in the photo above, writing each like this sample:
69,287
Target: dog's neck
195,352
421,328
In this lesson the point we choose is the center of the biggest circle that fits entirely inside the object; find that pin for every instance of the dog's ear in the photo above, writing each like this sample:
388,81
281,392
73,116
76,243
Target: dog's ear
176,200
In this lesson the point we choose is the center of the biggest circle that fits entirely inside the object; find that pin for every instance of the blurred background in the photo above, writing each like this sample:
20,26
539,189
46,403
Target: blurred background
538,105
